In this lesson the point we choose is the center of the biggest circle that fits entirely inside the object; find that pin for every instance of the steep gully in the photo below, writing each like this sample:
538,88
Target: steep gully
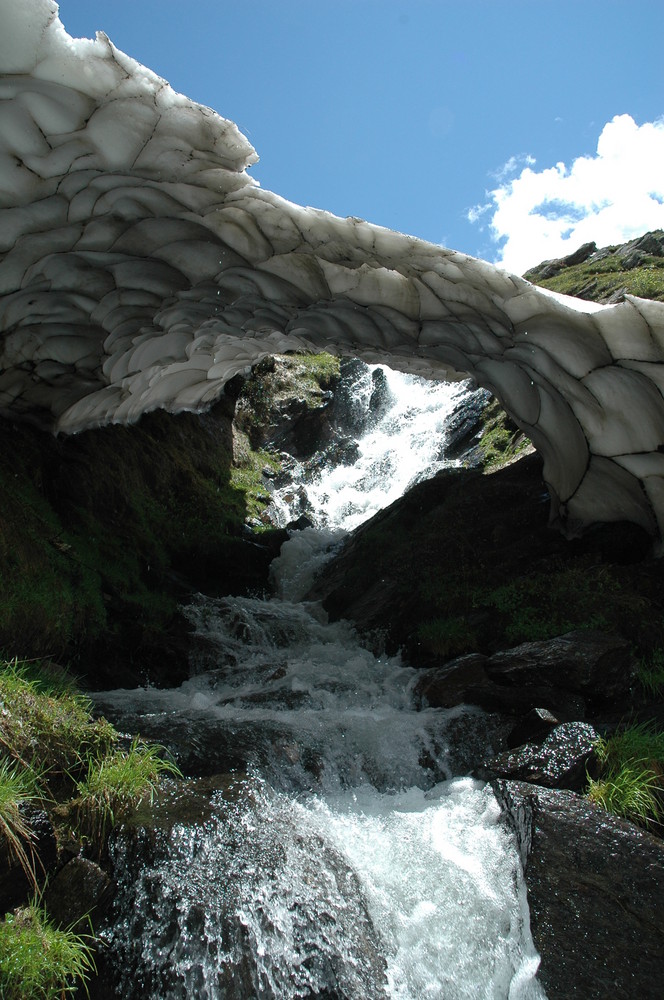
329,841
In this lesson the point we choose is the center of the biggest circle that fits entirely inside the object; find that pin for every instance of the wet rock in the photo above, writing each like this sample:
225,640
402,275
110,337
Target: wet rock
41,854
593,664
465,425
300,523
559,761
381,396
466,680
79,890
570,675
596,895
532,728
266,908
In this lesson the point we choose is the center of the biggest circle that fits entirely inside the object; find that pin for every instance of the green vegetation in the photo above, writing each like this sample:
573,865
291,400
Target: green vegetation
447,637
98,529
317,371
538,606
46,728
39,961
52,749
501,440
247,479
600,279
650,673
114,786
53,754
277,382
562,596
17,787
631,781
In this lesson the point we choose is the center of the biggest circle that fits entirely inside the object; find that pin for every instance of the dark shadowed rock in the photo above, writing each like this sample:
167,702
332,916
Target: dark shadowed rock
80,890
532,728
596,895
593,664
559,761
567,674
41,854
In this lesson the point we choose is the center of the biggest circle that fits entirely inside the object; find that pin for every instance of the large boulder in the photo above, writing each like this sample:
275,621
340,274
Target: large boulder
595,888
571,674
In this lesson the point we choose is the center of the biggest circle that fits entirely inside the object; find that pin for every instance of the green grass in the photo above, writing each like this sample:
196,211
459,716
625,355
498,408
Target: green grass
18,787
46,727
321,370
631,780
53,753
650,673
39,961
115,785
598,280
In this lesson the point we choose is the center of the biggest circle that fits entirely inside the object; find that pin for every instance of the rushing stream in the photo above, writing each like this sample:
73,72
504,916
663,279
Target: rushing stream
329,844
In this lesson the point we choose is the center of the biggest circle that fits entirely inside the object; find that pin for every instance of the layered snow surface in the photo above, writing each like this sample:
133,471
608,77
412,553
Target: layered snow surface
142,267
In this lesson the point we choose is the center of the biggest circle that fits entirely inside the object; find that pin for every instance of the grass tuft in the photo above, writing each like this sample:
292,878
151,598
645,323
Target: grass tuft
115,785
631,782
17,788
45,724
650,674
39,961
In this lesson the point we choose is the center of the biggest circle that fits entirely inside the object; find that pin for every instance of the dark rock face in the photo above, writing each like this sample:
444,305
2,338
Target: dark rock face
79,890
550,267
586,662
465,426
569,674
596,895
560,761
41,853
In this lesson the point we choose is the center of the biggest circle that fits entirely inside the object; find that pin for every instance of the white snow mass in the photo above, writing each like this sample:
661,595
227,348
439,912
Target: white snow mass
141,267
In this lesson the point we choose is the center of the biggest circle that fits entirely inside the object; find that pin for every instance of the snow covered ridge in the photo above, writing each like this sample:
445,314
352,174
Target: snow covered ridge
142,267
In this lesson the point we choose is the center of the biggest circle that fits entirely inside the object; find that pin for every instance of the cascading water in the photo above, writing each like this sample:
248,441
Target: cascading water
399,423
328,846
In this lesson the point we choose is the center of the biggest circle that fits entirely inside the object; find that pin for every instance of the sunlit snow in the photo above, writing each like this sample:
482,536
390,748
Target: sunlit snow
141,267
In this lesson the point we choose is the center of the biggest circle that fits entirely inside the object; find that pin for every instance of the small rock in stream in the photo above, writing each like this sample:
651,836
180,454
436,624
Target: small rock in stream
559,761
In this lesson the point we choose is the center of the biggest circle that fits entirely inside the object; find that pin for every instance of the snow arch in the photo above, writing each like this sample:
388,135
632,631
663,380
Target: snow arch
142,267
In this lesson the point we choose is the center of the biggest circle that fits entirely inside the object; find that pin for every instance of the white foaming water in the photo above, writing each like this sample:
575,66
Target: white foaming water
402,446
351,859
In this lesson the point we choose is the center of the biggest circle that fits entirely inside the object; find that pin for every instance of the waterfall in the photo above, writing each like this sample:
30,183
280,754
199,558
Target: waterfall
329,842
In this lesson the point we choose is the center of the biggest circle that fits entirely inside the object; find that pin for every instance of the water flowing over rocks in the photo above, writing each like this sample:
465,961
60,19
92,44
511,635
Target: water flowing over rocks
596,895
142,269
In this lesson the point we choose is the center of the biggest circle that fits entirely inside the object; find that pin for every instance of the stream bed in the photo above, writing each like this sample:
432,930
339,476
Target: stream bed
328,841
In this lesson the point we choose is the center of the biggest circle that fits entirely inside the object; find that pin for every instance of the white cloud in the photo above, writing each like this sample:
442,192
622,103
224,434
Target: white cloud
609,198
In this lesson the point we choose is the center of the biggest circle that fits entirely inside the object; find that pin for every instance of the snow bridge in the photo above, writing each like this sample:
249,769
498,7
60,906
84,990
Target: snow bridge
142,267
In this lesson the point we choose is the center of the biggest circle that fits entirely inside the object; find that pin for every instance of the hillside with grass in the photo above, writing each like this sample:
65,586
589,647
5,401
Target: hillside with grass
605,275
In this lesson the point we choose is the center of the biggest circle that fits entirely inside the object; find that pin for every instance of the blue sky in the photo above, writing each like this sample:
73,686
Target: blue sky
409,113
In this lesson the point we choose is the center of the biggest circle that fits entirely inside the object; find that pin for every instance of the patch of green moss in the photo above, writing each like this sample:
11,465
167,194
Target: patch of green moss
501,441
93,526
321,370
248,480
